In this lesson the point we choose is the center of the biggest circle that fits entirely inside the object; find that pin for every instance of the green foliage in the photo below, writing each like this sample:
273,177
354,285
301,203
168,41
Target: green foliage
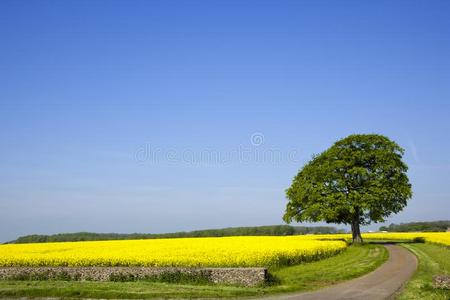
418,239
122,277
233,231
359,179
433,226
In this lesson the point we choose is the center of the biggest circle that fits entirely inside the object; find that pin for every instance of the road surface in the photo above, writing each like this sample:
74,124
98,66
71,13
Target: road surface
383,283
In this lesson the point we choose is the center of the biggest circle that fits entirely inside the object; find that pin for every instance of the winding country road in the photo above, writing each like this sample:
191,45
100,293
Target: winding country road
382,283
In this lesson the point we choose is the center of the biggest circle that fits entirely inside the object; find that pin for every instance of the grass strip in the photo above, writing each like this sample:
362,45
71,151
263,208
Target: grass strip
433,260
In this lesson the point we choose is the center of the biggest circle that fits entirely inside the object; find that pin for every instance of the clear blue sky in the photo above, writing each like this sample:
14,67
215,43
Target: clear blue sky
90,89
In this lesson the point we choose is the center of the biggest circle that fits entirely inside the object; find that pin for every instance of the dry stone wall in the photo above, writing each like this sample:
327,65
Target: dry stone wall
238,276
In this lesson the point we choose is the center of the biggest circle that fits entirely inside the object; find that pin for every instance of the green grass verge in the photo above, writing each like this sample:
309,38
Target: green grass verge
353,262
433,260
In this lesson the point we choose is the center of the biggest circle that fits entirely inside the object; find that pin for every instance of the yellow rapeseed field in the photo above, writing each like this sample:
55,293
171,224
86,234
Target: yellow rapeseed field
431,237
181,252
240,251
442,238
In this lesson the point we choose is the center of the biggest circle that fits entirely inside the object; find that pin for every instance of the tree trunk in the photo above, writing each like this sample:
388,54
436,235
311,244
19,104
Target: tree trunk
356,233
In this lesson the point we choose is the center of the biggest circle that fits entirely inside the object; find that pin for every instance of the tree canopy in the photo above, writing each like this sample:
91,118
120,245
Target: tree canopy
358,180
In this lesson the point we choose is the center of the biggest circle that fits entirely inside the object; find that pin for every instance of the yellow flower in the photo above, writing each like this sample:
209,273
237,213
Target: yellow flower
187,252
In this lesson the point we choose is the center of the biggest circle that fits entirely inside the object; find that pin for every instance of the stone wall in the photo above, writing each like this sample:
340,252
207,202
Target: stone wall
238,276
441,282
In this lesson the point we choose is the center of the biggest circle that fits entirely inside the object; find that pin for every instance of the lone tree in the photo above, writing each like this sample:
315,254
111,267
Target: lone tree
359,180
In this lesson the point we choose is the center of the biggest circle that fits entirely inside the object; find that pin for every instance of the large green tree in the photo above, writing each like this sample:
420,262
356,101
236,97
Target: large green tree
358,180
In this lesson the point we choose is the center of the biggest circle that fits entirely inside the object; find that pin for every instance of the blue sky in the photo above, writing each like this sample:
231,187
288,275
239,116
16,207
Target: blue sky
158,116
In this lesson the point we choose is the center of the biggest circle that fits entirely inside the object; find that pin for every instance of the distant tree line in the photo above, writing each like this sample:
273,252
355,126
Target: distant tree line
418,226
232,231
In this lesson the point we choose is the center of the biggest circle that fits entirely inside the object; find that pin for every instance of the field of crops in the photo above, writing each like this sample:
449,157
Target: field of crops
431,237
182,252
442,238
192,252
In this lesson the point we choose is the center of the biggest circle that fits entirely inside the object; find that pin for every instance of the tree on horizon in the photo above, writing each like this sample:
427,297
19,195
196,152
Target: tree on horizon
360,179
